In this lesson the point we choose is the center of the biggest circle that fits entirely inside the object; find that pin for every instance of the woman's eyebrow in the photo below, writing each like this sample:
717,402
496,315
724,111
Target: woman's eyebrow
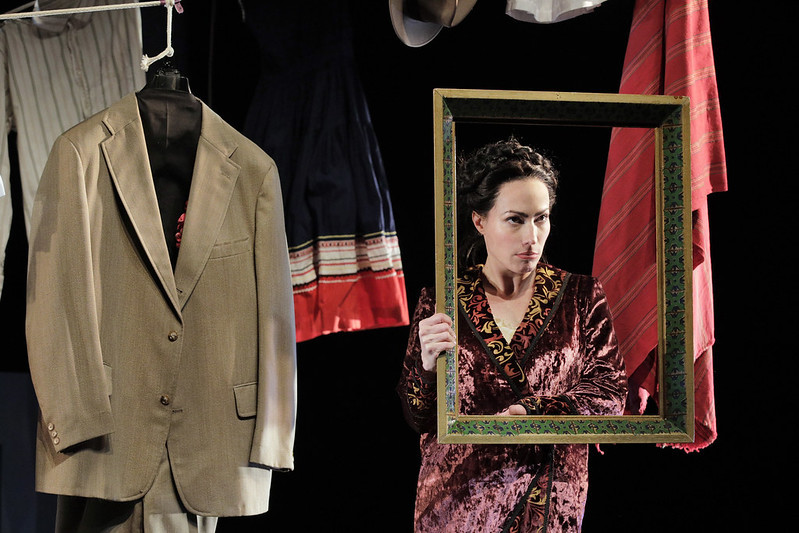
524,213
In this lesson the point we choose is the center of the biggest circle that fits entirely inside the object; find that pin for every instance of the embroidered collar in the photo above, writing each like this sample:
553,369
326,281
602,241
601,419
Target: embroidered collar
509,357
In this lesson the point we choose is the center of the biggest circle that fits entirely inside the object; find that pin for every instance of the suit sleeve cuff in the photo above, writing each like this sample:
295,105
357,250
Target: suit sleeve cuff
66,435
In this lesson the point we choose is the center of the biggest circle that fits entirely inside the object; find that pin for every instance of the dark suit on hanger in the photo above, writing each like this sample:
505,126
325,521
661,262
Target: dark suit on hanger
129,357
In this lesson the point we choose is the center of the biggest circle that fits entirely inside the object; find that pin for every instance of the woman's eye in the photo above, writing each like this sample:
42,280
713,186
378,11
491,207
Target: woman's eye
542,218
515,220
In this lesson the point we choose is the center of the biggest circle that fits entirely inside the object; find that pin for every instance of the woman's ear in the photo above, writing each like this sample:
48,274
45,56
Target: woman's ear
478,220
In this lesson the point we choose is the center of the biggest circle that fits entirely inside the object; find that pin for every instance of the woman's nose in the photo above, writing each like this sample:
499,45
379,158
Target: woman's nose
530,234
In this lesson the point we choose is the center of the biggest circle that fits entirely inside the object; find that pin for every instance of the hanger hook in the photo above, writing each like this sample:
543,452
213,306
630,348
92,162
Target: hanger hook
168,51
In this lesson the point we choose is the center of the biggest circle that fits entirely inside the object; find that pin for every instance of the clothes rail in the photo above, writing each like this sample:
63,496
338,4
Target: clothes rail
145,61
70,11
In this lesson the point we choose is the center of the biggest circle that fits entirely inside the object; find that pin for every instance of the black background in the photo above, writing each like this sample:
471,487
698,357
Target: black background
356,460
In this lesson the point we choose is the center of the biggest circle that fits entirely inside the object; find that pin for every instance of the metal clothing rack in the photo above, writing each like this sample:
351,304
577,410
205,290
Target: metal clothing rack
146,61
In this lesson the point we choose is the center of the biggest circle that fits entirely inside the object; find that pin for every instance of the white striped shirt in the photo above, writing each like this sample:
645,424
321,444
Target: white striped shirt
55,72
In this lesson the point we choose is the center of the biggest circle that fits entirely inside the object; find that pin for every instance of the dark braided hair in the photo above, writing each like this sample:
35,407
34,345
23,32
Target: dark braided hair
479,179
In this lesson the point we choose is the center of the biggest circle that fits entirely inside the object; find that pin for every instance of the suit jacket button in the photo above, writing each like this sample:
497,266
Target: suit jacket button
50,427
56,440
173,336
165,400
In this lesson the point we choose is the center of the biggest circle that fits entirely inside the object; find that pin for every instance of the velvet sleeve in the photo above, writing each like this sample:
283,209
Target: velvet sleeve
417,386
602,385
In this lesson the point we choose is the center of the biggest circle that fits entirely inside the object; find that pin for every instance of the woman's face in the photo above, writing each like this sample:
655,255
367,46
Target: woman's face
516,227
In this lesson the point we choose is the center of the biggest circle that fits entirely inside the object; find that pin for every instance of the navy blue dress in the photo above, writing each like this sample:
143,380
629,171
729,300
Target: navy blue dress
310,114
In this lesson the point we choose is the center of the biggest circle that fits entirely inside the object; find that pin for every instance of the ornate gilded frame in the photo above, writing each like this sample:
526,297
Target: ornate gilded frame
669,117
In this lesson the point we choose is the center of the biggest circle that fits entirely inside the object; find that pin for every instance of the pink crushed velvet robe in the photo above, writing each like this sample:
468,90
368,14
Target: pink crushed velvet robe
563,359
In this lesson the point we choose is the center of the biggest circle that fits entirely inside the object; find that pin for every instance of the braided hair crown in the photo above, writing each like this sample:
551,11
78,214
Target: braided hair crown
479,178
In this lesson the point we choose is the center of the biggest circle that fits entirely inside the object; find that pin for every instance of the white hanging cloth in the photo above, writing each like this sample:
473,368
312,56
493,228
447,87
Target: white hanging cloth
549,11
52,15
51,79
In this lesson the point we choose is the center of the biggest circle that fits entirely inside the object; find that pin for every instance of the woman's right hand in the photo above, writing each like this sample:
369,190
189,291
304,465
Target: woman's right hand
435,336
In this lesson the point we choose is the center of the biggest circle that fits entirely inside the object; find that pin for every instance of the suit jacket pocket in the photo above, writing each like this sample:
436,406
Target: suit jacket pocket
246,399
227,249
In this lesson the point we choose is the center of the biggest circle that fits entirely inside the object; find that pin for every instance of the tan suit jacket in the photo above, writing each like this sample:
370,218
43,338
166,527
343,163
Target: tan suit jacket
129,358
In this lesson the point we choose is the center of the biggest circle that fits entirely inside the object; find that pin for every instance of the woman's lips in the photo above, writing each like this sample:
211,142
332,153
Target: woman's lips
528,255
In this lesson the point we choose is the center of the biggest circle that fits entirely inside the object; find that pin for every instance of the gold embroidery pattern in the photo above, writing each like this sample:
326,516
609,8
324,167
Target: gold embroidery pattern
508,356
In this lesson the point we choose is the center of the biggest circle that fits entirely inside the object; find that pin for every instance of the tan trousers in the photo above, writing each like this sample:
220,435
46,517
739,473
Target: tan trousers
159,511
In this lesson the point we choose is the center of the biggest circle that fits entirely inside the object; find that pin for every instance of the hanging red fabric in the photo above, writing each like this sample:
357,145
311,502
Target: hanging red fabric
669,52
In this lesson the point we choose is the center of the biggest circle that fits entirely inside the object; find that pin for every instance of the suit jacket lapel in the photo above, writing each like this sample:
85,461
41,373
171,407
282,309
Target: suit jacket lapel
213,181
125,153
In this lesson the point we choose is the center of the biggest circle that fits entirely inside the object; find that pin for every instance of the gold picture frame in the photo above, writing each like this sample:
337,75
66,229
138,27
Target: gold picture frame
669,117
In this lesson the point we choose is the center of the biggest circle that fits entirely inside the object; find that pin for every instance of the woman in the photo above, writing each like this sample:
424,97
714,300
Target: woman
534,340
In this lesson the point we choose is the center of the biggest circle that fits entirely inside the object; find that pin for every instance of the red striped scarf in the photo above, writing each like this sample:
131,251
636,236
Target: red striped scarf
669,52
